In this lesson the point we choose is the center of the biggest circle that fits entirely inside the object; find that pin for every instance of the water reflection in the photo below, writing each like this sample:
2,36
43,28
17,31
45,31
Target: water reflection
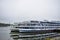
22,36
6,34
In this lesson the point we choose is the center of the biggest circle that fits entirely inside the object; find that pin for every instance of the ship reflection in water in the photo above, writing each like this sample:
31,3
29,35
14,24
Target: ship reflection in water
24,36
17,36
35,30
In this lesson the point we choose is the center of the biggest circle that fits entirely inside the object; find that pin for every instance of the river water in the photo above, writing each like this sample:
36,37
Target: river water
5,33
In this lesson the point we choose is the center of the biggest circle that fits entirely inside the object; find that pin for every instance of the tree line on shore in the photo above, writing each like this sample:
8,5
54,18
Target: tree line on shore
4,24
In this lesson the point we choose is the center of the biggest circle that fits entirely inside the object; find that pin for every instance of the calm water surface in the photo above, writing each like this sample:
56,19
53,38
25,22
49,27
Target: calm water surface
5,33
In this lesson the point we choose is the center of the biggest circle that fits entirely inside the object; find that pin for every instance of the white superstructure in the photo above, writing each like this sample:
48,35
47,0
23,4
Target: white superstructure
37,26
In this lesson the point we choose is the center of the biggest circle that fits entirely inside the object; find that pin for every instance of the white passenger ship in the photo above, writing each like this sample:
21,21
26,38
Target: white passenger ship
36,27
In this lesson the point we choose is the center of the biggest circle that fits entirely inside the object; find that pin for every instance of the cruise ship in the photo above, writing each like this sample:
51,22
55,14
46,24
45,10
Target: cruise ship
36,27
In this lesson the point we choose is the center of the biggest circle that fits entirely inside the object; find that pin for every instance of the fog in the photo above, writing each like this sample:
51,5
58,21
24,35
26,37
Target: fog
25,10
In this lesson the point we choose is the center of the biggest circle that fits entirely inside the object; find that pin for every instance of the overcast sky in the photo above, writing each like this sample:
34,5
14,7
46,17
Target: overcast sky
23,10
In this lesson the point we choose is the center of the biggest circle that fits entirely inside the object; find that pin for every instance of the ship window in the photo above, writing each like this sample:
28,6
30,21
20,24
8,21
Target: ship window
31,27
31,24
41,27
28,24
24,27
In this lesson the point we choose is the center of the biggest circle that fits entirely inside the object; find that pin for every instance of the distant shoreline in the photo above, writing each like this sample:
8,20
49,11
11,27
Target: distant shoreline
4,25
